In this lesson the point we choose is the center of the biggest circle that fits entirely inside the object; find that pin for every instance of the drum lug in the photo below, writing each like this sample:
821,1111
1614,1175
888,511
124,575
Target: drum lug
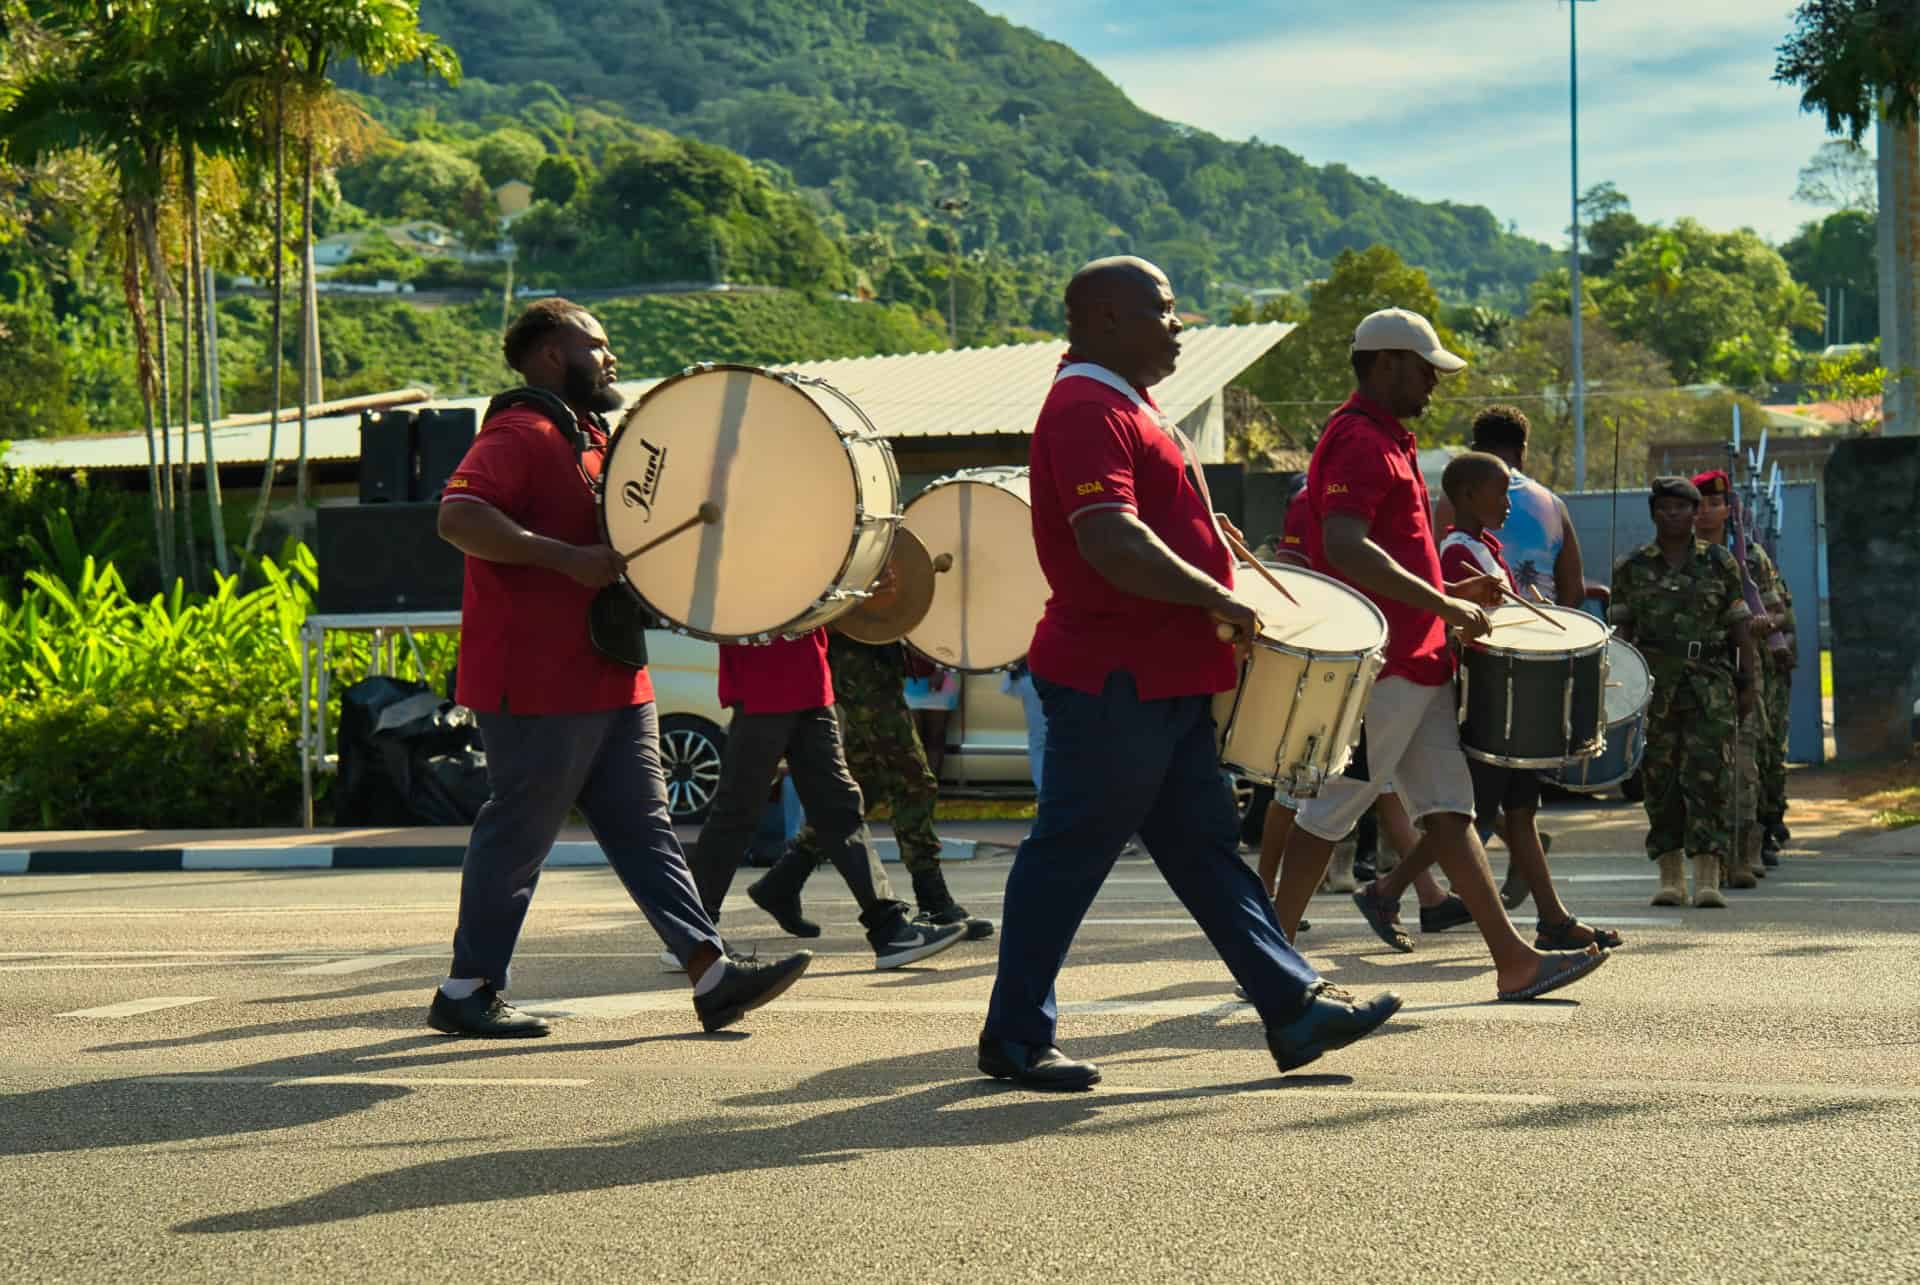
1465,674
1507,735
845,595
861,517
1566,703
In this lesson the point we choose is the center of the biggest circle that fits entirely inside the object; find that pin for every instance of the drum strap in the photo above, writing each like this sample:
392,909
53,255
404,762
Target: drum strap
1101,375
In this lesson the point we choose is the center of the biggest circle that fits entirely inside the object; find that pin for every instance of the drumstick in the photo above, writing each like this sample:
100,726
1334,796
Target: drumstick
707,514
1242,551
1535,610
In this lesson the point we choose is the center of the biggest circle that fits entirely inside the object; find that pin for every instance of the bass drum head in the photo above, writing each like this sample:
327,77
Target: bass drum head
1330,617
986,606
1629,682
768,455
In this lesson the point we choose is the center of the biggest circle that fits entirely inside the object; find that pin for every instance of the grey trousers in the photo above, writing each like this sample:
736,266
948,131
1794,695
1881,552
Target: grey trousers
538,767
809,740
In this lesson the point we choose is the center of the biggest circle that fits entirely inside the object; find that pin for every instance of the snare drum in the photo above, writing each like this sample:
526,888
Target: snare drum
1531,694
807,491
987,604
1629,692
1294,717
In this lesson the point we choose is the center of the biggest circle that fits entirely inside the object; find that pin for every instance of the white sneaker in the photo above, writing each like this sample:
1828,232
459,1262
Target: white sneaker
917,940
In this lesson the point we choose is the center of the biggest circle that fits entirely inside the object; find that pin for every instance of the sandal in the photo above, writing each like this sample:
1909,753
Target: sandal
1564,935
1559,970
1381,916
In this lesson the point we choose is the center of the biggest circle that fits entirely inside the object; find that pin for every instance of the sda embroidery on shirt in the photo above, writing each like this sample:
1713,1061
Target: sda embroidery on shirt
457,483
1336,488
1089,488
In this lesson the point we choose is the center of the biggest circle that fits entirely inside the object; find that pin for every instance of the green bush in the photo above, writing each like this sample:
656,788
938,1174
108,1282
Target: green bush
185,760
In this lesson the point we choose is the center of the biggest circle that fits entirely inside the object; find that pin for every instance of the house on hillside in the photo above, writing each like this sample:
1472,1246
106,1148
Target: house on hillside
512,199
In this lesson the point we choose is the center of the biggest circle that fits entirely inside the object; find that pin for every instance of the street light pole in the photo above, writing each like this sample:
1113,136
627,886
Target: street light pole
954,206
1579,366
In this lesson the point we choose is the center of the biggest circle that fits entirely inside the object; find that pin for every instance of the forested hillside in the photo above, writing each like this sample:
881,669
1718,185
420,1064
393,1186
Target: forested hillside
881,109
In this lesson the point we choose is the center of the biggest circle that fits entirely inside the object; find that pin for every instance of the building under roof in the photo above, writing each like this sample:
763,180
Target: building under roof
943,410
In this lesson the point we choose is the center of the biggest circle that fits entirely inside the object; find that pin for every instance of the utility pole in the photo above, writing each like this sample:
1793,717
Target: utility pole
954,207
1579,365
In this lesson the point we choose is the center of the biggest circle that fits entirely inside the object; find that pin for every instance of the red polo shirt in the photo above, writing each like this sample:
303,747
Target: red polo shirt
1094,450
1457,560
1366,465
779,677
523,630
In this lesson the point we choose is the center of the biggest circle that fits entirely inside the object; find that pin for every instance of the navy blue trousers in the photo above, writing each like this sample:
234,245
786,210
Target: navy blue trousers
1117,766
538,767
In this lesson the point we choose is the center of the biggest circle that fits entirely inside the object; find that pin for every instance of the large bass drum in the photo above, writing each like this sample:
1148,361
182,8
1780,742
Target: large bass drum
1292,720
806,489
988,602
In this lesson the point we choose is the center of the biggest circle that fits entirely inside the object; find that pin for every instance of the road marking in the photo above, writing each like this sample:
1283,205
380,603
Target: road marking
393,1081
135,1007
162,963
632,1004
358,964
14,863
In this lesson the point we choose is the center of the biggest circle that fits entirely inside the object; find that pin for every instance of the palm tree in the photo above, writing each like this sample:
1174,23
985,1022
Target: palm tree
379,35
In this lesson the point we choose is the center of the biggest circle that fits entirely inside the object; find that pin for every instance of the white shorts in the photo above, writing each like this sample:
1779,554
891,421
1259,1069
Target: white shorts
1413,749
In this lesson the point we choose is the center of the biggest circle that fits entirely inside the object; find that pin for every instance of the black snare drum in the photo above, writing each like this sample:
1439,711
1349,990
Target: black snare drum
1532,695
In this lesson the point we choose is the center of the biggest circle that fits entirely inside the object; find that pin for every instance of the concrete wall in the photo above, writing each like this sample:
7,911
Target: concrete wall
1873,521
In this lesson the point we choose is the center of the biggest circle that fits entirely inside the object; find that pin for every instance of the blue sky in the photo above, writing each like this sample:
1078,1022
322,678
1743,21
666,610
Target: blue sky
1466,100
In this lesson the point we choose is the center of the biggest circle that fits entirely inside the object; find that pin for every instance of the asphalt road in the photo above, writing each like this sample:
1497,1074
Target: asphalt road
225,1075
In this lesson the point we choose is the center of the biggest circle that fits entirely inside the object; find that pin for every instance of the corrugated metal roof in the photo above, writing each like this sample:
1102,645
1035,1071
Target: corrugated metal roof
966,392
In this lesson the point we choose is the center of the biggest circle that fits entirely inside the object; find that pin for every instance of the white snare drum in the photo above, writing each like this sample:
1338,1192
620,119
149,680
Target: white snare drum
807,491
1293,720
985,606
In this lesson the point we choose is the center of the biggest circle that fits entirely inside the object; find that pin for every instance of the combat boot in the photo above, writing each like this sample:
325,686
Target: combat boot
1673,880
1706,883
938,907
1739,871
1340,870
778,892
1756,844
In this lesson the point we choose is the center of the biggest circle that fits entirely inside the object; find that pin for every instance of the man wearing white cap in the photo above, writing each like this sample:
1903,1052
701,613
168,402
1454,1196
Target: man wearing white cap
1371,528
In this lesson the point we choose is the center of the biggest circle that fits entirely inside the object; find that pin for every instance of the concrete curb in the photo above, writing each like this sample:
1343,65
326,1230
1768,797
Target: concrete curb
320,857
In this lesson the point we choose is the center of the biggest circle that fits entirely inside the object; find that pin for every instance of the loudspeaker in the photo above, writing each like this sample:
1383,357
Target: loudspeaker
386,456
441,438
386,557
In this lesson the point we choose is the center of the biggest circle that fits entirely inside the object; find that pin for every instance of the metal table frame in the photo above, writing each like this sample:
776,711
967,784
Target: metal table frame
385,629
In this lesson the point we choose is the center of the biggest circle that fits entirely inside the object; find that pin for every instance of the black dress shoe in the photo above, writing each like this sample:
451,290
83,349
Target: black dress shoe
785,910
483,1015
746,986
1329,1020
1037,1066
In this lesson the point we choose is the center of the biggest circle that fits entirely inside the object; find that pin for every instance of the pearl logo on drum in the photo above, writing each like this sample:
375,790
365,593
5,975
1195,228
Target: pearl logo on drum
641,494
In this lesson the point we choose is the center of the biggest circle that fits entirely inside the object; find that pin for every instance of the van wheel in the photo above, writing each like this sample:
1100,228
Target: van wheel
690,750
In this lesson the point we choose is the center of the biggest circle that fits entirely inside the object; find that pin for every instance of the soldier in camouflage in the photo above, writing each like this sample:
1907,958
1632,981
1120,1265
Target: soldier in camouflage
1773,761
1758,738
1678,600
886,758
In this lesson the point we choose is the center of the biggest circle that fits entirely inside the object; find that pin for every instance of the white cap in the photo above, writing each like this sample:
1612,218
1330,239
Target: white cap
1397,330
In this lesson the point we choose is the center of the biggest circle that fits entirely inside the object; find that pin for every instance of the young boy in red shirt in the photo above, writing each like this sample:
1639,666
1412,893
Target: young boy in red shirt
1476,484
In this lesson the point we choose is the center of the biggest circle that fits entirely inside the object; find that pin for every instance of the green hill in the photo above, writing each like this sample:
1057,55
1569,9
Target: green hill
875,106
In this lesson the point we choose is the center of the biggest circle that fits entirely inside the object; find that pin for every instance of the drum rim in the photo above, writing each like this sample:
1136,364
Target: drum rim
800,383
1634,763
1593,749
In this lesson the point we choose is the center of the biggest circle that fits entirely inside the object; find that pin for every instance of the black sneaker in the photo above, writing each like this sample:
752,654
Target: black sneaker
746,986
915,940
1450,913
483,1015
955,913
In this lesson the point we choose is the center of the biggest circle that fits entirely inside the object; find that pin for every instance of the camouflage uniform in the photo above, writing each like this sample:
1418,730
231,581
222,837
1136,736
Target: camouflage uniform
883,749
1756,735
1668,613
1778,695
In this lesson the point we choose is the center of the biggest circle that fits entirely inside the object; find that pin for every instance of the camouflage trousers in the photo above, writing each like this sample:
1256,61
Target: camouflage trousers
1750,747
1688,773
885,756
1773,751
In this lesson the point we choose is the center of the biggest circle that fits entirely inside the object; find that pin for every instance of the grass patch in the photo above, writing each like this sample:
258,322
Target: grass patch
1896,809
968,810
1826,675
